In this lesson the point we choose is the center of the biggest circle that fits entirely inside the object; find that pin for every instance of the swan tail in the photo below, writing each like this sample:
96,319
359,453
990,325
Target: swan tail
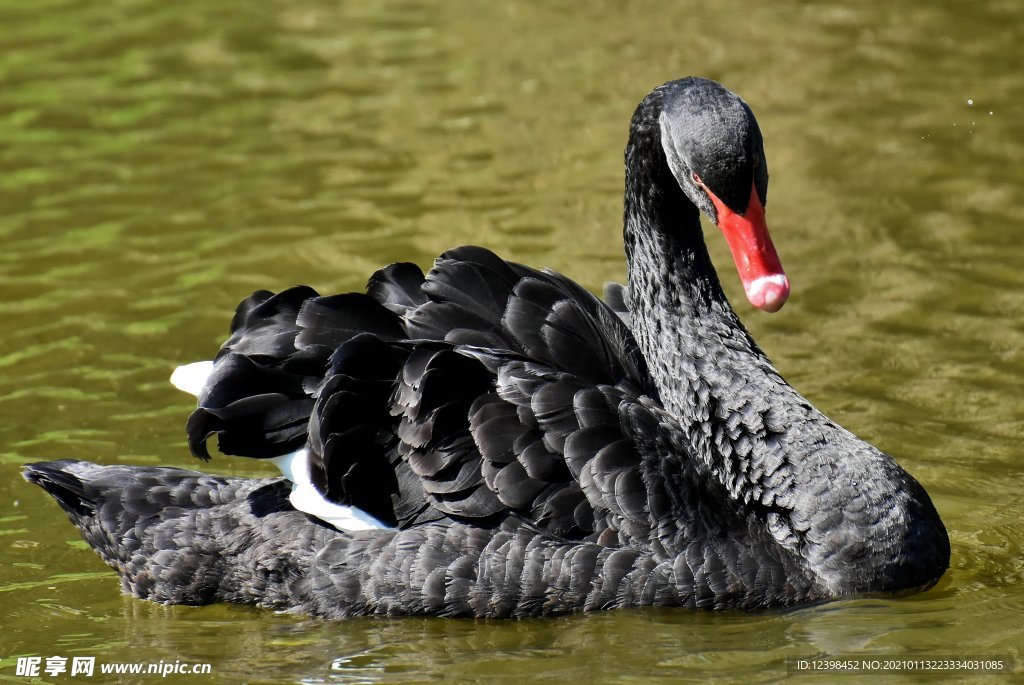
182,537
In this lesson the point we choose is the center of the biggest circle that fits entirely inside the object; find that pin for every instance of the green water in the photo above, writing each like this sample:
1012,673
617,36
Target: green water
159,161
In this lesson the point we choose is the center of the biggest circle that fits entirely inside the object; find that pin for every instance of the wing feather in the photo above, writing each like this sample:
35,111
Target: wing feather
480,391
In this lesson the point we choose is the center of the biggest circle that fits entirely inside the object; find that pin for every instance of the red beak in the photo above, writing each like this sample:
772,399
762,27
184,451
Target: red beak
764,281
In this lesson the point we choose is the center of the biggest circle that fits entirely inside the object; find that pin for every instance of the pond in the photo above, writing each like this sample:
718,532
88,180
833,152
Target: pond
160,161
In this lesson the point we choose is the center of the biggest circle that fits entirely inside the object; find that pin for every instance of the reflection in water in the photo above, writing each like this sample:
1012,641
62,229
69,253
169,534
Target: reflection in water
158,162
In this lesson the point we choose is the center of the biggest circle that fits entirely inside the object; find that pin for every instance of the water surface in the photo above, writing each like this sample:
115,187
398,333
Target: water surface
159,161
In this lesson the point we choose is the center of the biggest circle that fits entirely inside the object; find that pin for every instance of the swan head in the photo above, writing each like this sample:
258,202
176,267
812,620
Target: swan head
714,149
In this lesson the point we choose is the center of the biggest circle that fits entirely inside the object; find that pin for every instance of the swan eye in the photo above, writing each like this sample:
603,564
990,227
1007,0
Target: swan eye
696,178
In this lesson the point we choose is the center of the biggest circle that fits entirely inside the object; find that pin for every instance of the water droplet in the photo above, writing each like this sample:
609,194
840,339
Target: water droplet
970,103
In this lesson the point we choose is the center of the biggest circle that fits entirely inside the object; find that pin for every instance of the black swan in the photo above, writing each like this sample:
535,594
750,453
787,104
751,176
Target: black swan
492,440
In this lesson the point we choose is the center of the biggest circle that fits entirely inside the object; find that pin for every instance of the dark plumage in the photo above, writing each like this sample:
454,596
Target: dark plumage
531,449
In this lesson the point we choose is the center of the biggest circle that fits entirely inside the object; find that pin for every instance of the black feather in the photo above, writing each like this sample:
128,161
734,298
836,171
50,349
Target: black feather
397,287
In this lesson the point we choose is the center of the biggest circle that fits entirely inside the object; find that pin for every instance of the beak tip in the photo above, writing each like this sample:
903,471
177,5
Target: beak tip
768,293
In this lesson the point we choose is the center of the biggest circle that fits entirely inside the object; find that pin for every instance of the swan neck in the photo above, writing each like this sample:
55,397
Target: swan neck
675,297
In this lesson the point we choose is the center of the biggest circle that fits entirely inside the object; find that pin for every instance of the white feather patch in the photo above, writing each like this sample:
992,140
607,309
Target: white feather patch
295,466
192,377
306,498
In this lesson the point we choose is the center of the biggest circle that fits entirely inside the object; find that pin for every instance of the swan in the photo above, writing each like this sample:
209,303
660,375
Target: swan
492,440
